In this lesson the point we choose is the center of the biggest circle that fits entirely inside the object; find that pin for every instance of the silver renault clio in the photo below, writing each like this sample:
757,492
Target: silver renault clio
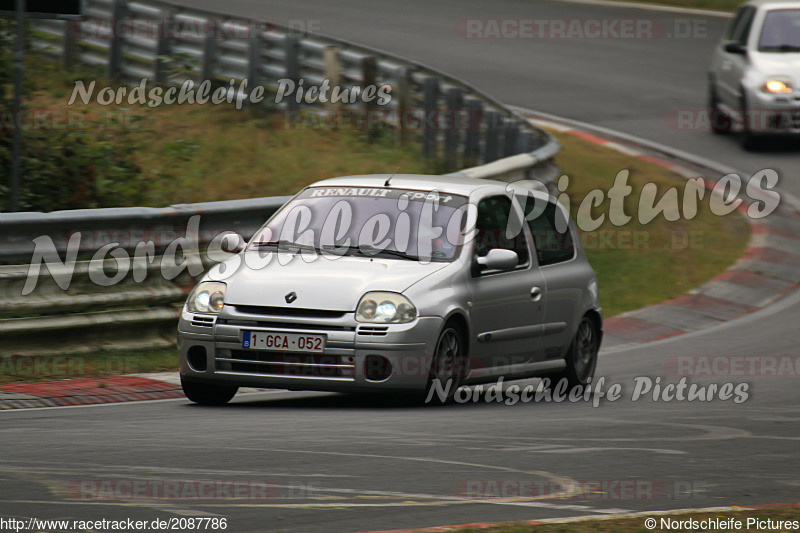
396,284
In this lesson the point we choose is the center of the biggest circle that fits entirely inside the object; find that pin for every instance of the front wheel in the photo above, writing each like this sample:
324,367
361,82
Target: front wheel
206,394
448,367
720,122
582,356
748,136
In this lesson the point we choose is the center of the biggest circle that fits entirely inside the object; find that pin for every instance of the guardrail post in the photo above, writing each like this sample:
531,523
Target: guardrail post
291,48
472,140
431,106
404,105
163,29
510,141
253,62
72,28
208,62
118,11
333,73
525,142
369,70
492,137
452,135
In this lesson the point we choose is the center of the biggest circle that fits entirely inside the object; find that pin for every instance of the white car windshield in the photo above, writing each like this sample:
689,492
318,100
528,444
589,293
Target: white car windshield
781,31
385,222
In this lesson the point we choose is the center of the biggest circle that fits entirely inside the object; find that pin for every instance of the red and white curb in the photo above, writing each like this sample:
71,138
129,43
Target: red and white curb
95,391
88,391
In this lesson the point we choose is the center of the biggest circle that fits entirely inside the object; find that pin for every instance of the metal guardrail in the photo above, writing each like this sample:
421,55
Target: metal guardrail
128,226
59,301
77,314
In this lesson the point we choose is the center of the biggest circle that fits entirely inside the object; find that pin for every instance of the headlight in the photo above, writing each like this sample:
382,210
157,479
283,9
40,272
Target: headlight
777,86
385,308
207,297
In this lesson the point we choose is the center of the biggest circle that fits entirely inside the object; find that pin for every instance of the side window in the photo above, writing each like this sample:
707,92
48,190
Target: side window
552,246
493,214
737,19
742,31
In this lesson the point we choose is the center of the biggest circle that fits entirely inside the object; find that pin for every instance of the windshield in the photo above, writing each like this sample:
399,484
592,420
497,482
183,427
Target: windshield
781,31
392,223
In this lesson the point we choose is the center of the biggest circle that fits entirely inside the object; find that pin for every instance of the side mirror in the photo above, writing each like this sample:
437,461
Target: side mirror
499,259
735,48
233,243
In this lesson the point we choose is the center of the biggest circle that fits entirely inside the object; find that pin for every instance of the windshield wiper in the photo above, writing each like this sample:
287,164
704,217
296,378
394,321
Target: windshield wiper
370,251
367,251
284,244
397,253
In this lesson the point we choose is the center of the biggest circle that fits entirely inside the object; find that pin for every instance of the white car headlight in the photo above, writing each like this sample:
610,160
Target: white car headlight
385,308
207,297
777,86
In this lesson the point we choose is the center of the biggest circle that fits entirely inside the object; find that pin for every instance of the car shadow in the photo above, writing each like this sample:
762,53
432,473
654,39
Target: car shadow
360,401
776,144
337,401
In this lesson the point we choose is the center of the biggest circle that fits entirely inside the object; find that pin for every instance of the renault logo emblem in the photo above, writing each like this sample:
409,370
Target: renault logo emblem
291,297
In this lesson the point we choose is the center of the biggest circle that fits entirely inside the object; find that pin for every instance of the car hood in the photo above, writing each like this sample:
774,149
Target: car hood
325,283
787,64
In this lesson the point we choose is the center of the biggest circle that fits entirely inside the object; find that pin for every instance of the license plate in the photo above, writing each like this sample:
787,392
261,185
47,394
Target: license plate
274,341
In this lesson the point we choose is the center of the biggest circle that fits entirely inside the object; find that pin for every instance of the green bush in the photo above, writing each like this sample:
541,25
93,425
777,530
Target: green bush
89,167
75,170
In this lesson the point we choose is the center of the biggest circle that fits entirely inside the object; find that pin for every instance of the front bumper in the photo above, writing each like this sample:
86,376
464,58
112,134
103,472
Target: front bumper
357,357
774,114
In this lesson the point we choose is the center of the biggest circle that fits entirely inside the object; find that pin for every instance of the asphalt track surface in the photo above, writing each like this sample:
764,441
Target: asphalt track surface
339,463
343,463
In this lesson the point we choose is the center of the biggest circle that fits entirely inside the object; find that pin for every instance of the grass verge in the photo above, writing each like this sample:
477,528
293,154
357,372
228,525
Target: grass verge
640,264
199,153
25,369
786,513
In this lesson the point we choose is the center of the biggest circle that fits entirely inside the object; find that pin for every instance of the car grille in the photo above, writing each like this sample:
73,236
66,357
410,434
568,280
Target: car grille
202,321
288,311
283,325
372,331
287,364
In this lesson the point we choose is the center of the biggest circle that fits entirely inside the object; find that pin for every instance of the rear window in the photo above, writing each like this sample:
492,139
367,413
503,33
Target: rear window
552,246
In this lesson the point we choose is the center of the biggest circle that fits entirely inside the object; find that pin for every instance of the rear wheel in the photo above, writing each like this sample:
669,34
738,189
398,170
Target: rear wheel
448,365
206,394
582,356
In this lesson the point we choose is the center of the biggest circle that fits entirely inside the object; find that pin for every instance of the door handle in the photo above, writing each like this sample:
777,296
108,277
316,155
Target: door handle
536,294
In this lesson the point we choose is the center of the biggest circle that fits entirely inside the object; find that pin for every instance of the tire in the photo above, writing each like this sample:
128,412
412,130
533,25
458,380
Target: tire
449,363
581,357
749,139
720,122
205,394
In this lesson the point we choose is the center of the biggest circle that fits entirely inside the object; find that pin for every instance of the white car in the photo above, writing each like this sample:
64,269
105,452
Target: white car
387,283
754,79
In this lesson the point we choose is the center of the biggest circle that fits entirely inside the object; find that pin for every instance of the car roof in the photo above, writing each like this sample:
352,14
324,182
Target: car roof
445,184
